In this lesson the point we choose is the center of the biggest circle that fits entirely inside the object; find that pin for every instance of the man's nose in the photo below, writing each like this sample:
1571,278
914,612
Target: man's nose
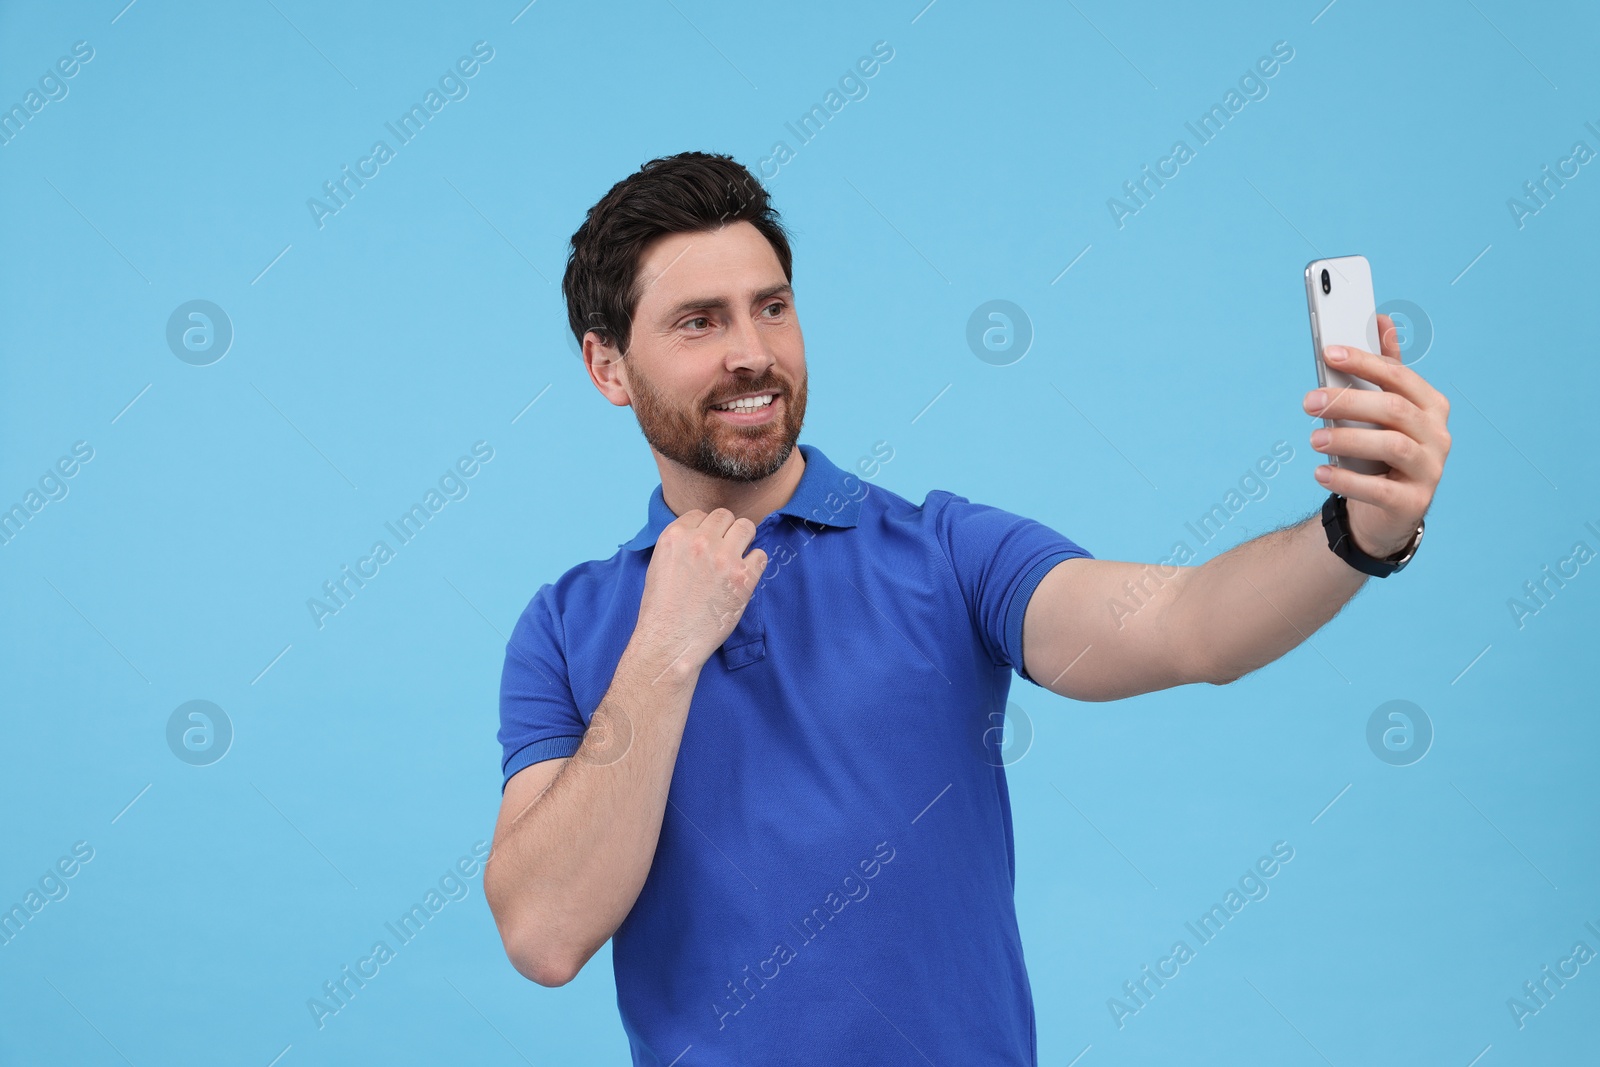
747,348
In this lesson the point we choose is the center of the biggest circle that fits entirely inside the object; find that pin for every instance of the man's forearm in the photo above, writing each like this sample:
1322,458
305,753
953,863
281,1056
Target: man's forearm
1258,600
572,864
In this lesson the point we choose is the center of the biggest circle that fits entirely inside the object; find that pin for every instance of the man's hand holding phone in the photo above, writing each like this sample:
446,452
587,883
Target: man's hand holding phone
1411,438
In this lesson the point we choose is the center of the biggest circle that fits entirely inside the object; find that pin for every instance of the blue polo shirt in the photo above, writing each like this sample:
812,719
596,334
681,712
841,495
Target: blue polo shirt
834,877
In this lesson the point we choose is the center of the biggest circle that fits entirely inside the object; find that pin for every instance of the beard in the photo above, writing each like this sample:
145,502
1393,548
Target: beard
698,440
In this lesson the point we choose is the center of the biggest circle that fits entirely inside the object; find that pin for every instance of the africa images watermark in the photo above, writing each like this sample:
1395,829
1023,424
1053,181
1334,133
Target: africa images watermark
1252,86
854,889
52,88
452,87
455,884
340,591
1539,594
1537,995
1207,527
52,486
52,886
870,466
1252,886
852,87
1540,191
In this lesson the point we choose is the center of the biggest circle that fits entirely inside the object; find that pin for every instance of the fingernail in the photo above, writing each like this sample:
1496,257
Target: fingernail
1335,353
1323,474
1319,438
1317,400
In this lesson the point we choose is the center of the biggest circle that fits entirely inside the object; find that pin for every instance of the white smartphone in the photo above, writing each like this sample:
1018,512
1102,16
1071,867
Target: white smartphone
1343,312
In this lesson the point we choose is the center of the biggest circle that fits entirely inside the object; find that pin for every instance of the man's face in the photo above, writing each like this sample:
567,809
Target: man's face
716,321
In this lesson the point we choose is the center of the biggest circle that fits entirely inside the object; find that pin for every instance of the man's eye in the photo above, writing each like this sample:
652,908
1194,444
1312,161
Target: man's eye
776,304
698,318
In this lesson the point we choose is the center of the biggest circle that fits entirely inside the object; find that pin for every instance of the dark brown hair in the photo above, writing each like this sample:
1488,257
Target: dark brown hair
685,193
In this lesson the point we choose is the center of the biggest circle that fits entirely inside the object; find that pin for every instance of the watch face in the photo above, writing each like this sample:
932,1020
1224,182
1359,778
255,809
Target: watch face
1405,554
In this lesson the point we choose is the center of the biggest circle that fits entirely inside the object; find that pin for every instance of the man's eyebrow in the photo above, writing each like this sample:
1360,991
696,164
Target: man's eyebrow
717,303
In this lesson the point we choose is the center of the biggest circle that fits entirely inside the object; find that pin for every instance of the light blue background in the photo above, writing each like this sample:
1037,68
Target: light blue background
426,316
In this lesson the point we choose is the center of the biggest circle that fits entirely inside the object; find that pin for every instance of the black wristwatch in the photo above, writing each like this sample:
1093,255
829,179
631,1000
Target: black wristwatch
1336,521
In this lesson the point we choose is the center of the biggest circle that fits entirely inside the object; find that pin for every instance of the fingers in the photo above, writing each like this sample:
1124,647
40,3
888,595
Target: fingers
717,521
740,533
1389,338
1379,490
1389,410
724,524
1400,452
735,532
723,527
1389,375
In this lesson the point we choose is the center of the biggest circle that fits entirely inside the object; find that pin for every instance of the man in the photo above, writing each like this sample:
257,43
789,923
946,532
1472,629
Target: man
756,747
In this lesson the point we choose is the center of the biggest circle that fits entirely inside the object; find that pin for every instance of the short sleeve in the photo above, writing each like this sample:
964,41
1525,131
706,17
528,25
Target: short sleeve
539,719
999,558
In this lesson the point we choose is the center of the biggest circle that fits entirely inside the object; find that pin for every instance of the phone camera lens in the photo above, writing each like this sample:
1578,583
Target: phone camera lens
1327,283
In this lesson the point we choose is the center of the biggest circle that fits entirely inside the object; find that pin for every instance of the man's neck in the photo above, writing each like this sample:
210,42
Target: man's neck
687,490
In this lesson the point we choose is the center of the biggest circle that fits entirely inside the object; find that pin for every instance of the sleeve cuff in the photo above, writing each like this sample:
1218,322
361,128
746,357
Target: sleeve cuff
538,752
1019,602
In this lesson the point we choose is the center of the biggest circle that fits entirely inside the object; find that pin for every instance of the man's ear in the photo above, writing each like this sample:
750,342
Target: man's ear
606,369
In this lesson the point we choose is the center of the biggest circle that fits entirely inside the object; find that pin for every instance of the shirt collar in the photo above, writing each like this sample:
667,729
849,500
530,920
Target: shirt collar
823,495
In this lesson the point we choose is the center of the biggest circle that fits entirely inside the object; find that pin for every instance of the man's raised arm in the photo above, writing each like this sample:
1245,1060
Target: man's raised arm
1245,608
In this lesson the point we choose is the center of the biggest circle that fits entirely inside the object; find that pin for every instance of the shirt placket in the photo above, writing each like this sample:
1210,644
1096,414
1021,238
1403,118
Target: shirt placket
748,641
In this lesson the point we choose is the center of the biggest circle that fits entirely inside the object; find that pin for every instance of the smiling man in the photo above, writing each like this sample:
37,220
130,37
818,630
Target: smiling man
756,747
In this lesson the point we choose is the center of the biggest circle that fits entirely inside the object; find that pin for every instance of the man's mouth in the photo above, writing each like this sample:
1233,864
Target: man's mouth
746,404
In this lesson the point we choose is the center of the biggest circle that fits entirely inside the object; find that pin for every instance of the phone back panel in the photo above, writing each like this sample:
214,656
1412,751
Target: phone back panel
1345,315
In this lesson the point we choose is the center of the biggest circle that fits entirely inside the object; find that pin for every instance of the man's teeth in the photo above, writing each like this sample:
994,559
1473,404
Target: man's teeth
752,403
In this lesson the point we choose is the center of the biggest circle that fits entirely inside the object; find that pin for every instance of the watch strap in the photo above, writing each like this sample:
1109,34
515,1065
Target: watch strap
1336,523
